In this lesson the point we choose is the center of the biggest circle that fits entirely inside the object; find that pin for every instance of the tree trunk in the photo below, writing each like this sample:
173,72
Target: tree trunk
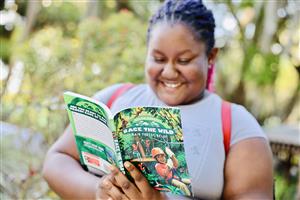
298,186
92,9
293,101
269,26
33,8
238,96
5,82
123,4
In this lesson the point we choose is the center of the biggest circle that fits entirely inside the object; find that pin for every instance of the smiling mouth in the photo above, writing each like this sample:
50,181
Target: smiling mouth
172,85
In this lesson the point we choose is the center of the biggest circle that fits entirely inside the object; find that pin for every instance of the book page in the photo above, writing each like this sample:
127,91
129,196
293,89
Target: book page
152,139
90,121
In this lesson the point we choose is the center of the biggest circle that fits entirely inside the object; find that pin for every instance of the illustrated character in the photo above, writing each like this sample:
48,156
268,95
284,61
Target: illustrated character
166,168
148,147
135,151
139,146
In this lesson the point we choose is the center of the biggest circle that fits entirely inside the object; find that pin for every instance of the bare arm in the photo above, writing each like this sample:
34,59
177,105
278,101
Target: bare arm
248,171
175,161
63,172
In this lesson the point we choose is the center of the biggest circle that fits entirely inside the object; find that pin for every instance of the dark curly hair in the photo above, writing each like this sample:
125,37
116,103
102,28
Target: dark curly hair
191,13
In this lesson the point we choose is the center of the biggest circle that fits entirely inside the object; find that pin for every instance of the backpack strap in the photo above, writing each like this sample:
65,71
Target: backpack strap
226,125
123,88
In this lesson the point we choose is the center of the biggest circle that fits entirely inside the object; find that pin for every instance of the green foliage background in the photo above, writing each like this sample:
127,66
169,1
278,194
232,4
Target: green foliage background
63,53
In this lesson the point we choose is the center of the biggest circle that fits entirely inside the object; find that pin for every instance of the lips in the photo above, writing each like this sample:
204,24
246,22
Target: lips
171,84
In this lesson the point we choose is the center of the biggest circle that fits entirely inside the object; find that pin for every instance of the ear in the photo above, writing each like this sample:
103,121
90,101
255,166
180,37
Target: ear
212,56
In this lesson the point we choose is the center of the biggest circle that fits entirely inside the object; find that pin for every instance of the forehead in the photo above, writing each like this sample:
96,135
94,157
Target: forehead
178,36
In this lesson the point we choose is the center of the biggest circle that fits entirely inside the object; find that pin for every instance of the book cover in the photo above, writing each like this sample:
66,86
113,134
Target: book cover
149,137
90,121
152,139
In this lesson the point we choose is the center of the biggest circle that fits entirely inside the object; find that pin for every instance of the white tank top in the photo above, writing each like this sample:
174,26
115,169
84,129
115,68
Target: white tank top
202,129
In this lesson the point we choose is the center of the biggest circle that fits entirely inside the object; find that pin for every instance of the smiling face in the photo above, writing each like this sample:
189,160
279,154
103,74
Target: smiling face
161,158
176,65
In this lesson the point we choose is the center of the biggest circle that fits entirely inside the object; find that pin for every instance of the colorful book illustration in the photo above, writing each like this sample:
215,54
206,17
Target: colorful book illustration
149,137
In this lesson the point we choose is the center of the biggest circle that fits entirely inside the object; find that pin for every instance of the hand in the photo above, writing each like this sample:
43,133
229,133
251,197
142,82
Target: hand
170,164
108,189
169,152
141,189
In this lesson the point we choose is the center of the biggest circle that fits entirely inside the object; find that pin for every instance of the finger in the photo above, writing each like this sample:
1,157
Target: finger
113,190
139,179
124,197
127,187
113,180
108,189
101,192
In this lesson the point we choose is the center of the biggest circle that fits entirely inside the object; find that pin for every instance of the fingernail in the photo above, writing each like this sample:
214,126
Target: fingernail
113,169
128,166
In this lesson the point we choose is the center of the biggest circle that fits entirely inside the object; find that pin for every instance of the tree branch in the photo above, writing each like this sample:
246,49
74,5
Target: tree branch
242,30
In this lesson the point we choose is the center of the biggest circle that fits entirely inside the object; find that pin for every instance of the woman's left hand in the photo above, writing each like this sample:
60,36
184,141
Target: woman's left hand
141,190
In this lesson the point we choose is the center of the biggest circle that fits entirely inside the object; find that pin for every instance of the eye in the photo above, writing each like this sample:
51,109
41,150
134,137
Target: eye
159,60
183,61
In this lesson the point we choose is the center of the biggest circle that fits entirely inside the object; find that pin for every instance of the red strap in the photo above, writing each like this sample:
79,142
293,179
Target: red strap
118,93
226,125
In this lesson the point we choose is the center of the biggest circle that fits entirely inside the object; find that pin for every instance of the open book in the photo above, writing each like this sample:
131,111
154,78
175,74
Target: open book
149,137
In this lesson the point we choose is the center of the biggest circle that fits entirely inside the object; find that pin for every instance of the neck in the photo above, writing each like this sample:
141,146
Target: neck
198,98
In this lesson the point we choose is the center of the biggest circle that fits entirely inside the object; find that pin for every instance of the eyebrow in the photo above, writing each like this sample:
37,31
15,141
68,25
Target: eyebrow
179,53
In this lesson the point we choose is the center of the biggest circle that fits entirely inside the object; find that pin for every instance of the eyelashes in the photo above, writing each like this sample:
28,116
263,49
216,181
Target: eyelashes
179,61
159,60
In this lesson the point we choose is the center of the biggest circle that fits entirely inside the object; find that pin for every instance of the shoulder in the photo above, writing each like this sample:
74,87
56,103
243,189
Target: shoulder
137,89
249,154
139,95
105,94
244,125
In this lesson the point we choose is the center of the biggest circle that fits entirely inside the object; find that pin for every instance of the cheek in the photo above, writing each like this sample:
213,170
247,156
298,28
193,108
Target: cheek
195,74
152,70
201,70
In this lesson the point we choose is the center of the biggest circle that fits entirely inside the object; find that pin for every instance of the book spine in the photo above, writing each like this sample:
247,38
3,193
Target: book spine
118,154
119,160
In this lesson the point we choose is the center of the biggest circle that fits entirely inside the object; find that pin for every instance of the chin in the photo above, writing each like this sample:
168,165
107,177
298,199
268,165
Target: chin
171,101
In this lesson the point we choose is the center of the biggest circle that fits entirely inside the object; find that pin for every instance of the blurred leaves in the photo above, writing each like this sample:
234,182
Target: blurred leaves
262,38
95,54
61,14
20,173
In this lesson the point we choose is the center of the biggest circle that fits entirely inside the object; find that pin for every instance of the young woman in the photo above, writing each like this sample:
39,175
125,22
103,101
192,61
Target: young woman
180,54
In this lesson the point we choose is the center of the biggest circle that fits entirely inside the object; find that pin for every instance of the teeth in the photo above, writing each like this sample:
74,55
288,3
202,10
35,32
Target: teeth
172,85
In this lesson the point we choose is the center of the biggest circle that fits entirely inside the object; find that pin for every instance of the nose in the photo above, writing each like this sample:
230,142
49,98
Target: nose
169,71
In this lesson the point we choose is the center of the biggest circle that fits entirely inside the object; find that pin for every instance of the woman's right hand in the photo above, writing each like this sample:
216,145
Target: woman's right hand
107,189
